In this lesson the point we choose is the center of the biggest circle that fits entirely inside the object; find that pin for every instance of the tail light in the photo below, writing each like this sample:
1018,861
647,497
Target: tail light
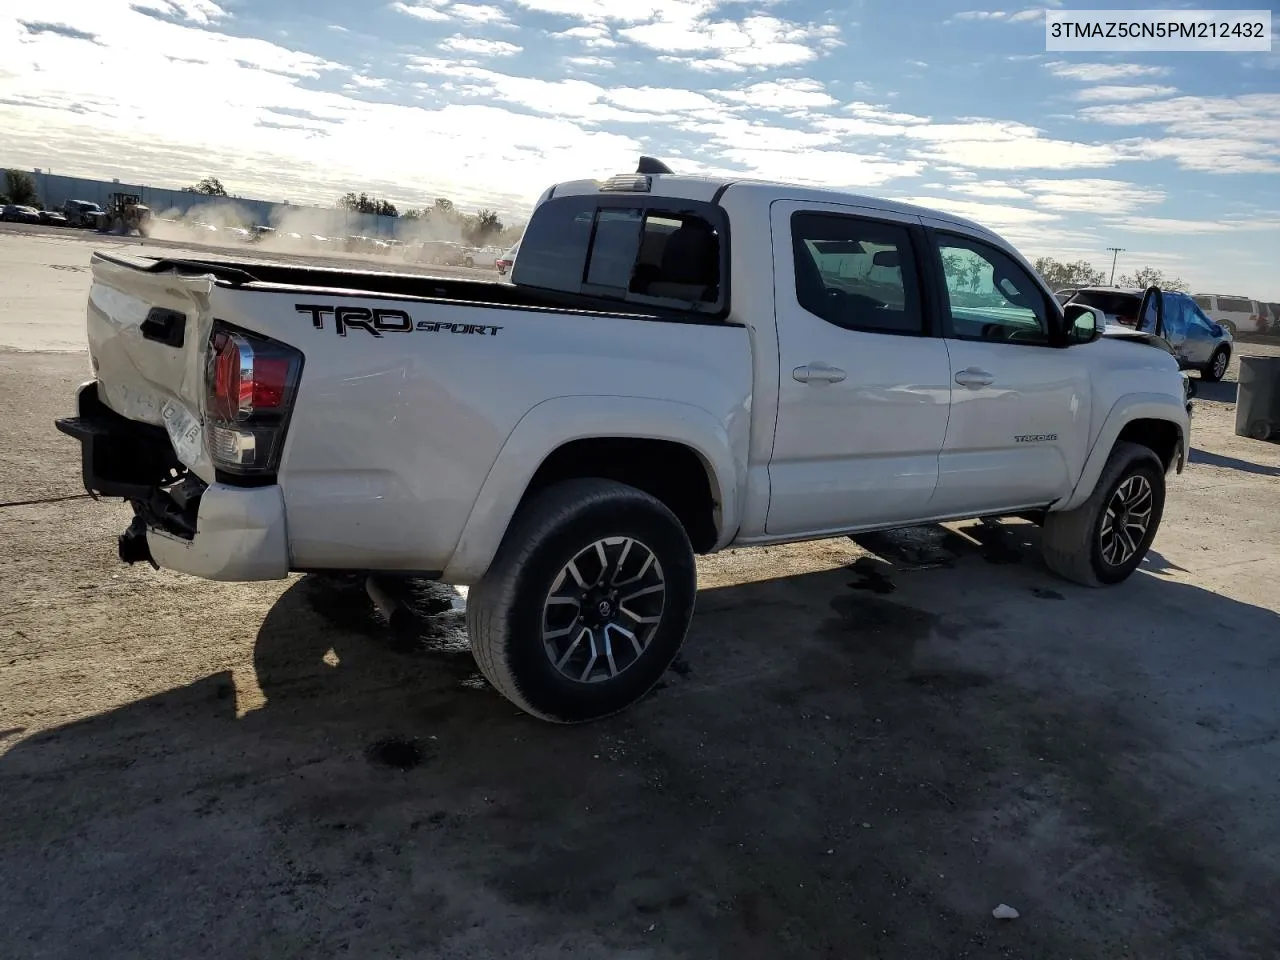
251,383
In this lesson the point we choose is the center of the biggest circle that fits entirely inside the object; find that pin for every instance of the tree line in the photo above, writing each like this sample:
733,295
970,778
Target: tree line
1081,273
478,229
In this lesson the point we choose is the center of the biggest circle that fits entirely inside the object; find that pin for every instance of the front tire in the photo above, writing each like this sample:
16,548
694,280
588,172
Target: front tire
586,603
1102,542
1216,369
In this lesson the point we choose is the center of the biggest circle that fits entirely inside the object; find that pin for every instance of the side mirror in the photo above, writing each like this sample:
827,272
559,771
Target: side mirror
1219,330
886,258
1082,324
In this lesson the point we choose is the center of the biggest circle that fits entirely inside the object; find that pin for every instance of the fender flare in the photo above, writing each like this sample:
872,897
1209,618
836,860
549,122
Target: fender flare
1127,409
552,423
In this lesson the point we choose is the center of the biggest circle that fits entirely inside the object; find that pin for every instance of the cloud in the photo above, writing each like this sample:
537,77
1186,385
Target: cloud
690,32
600,62
1223,135
203,12
60,29
1090,195
1111,92
754,42
225,105
1031,15
429,10
991,190
1103,72
791,94
592,35
479,46
1027,152
1175,227
830,168
479,13
994,216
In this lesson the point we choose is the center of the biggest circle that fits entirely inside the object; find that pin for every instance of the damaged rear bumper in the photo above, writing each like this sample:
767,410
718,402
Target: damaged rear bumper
216,531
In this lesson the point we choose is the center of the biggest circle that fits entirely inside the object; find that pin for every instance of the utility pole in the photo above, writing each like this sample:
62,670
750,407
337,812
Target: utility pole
1115,254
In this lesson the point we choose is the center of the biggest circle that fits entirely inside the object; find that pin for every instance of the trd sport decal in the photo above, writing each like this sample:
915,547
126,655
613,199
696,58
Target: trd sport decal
377,322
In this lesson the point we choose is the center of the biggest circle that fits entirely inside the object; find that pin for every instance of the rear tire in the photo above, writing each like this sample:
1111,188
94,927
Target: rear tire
1098,543
1216,369
529,609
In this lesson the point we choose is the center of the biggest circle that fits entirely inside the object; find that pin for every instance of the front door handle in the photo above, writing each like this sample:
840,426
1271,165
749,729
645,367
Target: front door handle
818,373
973,377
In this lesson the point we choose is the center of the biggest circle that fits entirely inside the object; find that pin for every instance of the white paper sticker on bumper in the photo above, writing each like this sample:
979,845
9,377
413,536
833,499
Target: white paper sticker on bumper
184,432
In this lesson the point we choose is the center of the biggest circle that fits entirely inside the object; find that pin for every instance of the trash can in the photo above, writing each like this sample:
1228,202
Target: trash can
1258,398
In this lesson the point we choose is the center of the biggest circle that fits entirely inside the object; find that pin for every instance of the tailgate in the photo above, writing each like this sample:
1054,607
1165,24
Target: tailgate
148,341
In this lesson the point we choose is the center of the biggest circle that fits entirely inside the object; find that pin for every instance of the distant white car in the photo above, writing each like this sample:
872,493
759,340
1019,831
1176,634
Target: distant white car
1234,313
486,257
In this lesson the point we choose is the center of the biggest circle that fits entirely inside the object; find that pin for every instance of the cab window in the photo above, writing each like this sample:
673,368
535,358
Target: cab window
989,295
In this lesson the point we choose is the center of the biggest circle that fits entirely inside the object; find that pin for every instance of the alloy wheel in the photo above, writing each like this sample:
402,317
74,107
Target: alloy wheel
1128,517
603,609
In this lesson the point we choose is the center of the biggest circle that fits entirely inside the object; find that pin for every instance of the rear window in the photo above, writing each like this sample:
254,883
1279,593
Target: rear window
1113,304
647,250
1234,305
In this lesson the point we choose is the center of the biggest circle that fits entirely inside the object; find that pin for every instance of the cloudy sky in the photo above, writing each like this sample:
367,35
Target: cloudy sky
1174,157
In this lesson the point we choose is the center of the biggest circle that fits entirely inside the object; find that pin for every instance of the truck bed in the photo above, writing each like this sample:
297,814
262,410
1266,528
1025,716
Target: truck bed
267,275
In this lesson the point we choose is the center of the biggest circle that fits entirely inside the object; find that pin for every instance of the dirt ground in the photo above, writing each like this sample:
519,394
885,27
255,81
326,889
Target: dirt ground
863,749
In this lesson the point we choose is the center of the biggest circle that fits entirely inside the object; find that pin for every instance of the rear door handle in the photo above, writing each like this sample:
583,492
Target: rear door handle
818,373
973,377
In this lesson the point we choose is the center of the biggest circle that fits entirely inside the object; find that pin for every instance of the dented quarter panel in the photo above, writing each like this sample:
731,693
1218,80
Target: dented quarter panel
136,376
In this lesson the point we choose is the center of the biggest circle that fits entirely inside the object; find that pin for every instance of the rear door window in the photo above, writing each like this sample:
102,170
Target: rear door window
857,274
648,250
1233,305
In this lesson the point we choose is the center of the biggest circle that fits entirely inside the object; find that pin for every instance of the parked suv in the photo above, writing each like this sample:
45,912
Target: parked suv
1235,313
81,213
1197,342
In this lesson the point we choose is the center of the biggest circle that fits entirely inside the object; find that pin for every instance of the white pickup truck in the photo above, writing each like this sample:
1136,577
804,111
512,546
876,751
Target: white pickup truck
680,365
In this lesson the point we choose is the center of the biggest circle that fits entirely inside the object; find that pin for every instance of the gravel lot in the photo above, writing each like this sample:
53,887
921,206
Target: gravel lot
864,748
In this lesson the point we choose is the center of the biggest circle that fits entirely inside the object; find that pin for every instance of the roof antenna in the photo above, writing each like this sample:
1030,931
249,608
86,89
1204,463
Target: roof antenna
650,165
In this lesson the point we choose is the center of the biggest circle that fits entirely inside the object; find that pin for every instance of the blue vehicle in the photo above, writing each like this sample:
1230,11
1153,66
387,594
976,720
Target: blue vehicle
1198,342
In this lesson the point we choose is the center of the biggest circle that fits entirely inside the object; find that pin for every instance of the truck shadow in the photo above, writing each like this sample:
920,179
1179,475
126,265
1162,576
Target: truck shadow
1232,463
835,767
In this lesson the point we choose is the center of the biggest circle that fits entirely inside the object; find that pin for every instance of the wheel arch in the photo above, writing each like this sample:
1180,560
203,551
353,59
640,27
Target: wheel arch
605,435
1150,420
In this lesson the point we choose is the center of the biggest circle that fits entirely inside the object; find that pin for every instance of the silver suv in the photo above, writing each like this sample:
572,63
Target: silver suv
1198,342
